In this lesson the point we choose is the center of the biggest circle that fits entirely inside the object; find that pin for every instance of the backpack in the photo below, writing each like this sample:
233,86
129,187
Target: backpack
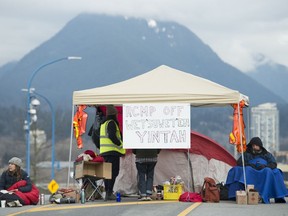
190,197
224,191
210,191
94,131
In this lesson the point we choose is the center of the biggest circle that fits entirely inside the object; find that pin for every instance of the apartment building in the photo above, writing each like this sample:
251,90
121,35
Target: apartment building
264,123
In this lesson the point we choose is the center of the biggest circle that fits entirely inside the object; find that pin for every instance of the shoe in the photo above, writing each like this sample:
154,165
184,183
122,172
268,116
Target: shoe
142,198
109,196
148,198
280,200
112,197
11,204
18,204
15,203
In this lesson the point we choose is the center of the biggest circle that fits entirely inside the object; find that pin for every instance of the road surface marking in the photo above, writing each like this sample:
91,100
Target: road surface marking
189,209
55,207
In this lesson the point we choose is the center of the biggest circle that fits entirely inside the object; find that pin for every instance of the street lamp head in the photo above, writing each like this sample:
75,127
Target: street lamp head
74,58
35,102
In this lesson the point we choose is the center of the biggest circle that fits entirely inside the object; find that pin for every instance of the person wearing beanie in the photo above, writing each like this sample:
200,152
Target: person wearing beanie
111,110
16,161
17,182
111,147
261,171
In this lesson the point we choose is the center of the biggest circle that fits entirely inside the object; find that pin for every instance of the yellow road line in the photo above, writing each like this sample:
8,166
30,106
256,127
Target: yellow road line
189,209
29,210
55,207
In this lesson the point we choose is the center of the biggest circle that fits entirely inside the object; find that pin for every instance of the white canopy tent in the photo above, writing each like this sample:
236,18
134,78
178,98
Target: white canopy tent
160,85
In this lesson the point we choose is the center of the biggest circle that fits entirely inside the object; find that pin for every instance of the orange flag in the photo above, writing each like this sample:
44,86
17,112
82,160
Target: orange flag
79,124
238,131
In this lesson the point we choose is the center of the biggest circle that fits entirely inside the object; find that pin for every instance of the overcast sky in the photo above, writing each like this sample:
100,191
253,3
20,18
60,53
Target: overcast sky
241,32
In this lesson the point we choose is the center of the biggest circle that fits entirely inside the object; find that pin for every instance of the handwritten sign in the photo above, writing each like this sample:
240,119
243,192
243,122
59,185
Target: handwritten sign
163,126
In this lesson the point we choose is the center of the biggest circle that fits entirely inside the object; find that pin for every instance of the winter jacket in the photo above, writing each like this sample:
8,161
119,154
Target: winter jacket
250,158
8,179
31,197
146,155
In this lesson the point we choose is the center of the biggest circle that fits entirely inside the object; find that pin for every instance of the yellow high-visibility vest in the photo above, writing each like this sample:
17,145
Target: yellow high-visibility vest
106,144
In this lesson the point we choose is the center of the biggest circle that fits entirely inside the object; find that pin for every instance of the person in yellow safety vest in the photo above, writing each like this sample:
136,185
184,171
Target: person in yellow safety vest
111,147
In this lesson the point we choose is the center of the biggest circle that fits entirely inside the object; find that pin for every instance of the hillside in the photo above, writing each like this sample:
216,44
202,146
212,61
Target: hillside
114,49
274,76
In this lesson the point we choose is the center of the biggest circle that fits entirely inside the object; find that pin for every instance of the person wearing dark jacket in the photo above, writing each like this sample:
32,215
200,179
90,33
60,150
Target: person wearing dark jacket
261,171
257,156
145,160
111,147
16,187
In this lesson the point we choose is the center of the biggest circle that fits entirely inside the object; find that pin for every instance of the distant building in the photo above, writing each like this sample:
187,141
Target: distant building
265,124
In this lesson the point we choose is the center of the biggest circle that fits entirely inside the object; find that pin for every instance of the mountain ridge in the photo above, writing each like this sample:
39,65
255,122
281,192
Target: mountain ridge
273,76
114,49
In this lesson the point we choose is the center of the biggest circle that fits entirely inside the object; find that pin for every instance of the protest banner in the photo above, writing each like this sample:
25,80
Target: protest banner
163,126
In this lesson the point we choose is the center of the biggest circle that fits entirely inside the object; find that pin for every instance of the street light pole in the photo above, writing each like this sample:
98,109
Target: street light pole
52,135
28,120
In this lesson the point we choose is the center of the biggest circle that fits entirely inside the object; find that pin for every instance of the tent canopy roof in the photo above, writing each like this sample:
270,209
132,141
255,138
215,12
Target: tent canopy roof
161,85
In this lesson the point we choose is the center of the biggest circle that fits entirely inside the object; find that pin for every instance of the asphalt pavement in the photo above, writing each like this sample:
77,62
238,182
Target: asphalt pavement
131,206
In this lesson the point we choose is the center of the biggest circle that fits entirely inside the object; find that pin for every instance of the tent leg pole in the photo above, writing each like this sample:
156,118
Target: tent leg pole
70,150
242,152
189,159
248,120
190,168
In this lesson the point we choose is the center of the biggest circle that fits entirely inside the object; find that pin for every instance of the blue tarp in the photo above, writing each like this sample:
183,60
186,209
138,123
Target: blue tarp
268,182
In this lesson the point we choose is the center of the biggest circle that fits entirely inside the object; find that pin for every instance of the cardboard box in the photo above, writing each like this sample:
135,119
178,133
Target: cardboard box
95,169
253,198
241,197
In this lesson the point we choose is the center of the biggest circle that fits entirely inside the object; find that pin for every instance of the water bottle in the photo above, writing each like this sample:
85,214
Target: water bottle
82,196
118,197
42,199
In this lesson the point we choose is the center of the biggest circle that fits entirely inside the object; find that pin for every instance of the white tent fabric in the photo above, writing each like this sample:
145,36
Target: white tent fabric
161,85
172,163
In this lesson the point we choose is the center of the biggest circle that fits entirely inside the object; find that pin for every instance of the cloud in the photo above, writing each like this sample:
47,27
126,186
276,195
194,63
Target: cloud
235,30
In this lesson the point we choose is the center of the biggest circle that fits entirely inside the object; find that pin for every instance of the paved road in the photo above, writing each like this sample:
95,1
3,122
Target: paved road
131,207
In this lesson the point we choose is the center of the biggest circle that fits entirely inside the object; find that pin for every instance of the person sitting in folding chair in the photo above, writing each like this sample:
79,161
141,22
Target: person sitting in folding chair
261,171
